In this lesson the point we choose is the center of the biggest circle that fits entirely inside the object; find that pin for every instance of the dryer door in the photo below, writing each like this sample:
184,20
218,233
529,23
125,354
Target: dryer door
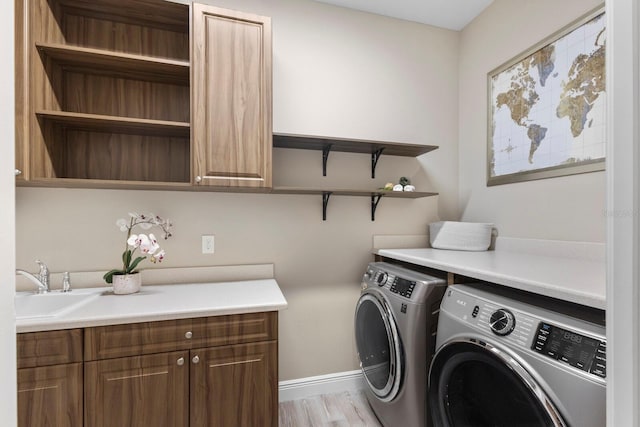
472,383
378,345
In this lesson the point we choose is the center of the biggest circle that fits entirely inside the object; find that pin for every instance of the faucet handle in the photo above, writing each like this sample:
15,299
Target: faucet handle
44,270
66,282
43,275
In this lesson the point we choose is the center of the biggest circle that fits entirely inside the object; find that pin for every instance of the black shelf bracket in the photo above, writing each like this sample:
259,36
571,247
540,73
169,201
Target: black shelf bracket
375,199
325,156
375,156
325,202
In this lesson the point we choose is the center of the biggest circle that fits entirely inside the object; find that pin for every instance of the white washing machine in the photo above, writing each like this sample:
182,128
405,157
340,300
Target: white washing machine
508,358
395,326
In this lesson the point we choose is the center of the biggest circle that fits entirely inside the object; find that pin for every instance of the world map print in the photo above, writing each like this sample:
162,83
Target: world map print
548,109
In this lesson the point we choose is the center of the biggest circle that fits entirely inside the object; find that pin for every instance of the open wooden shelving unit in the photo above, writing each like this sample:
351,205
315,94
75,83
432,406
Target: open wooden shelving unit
345,145
103,92
374,148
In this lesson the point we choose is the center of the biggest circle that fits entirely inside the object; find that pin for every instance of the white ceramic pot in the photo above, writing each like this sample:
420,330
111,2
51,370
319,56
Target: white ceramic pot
124,284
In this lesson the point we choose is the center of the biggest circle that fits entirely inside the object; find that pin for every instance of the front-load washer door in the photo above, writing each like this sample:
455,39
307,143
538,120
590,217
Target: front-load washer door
472,383
379,347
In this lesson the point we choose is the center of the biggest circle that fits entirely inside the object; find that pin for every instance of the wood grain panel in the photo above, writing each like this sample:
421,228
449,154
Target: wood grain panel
149,13
235,386
117,64
106,342
49,348
105,156
138,391
231,97
100,94
50,396
42,26
109,32
232,329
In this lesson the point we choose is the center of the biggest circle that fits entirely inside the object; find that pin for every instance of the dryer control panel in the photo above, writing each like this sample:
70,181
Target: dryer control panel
409,284
580,351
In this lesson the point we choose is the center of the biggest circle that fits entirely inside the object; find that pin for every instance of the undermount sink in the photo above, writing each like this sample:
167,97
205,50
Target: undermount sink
52,304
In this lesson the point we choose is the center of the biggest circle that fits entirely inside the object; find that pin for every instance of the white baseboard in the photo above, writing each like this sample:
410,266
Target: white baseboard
322,384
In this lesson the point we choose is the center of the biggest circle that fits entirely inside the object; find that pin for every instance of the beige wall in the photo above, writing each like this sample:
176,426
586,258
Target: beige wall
567,208
337,72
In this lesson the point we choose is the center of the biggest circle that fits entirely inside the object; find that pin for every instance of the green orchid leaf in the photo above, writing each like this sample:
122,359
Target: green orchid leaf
108,277
135,263
126,259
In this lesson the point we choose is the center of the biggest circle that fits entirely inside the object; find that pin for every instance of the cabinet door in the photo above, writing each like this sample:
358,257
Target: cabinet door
138,391
231,98
235,386
50,396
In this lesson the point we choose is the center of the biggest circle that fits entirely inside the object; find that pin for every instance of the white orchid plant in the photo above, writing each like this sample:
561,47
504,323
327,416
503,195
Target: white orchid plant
146,244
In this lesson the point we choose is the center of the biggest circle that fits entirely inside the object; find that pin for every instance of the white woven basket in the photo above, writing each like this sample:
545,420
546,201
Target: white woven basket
461,236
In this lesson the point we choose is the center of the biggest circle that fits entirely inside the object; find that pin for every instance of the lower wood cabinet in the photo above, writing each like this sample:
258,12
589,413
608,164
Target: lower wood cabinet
233,386
209,372
138,391
50,396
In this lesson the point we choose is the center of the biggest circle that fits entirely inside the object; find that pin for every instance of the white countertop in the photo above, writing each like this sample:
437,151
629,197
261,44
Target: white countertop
577,280
163,302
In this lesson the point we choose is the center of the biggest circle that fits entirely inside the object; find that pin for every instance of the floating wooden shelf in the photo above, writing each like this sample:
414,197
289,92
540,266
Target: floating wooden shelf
375,196
97,122
118,64
328,144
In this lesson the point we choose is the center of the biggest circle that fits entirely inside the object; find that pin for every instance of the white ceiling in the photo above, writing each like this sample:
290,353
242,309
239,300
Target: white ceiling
450,14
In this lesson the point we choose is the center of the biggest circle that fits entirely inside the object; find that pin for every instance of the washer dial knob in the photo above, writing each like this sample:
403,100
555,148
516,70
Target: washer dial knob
502,322
382,279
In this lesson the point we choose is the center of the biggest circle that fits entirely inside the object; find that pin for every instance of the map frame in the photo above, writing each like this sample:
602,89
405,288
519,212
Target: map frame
578,167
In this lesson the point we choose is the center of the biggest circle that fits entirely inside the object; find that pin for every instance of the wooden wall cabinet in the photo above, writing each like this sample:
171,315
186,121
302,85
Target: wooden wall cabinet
231,60
50,379
104,95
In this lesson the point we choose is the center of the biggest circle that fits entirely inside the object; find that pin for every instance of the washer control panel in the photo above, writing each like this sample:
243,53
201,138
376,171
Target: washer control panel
577,350
551,335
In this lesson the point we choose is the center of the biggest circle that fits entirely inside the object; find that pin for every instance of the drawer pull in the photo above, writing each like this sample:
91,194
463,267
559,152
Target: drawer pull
195,359
18,172
181,361
188,335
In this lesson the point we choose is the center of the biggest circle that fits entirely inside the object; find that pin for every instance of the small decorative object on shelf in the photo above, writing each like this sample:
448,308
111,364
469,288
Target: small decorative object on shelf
126,280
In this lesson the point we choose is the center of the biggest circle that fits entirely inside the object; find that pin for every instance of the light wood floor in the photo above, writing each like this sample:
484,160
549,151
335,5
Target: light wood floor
336,410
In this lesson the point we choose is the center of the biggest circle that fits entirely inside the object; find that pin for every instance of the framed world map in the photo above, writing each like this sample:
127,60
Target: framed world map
547,107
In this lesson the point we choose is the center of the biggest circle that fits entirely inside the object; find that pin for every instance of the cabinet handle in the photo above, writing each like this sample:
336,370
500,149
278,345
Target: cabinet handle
181,361
188,335
230,178
18,172
195,359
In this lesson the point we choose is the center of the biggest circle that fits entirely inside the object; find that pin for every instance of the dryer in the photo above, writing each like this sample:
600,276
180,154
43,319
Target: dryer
395,326
512,359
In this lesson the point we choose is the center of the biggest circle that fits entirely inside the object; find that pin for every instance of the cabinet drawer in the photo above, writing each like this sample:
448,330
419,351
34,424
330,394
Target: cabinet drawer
107,342
49,348
234,329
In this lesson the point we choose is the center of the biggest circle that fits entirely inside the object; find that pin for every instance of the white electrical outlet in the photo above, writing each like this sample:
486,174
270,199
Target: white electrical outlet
208,244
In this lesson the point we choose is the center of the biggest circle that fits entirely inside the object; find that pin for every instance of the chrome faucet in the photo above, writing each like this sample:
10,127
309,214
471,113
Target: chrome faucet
41,279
